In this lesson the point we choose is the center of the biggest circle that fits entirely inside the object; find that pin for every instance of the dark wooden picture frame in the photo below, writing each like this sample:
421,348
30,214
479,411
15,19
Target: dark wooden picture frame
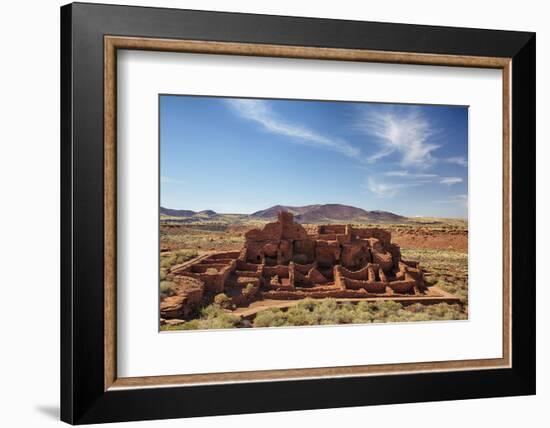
90,37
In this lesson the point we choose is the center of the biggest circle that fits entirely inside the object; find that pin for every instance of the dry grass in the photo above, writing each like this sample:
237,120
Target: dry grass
171,259
167,289
201,238
448,269
445,268
329,312
212,317
309,312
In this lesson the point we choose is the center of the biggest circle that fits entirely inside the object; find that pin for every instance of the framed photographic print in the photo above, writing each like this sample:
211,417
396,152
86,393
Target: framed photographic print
276,213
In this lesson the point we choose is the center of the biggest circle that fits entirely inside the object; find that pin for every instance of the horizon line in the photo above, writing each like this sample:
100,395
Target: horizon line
308,205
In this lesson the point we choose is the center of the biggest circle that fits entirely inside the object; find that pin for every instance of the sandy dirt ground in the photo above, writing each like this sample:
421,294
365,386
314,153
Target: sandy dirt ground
455,240
180,237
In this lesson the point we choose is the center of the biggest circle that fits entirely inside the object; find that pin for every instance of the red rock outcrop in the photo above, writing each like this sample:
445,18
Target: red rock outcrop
188,297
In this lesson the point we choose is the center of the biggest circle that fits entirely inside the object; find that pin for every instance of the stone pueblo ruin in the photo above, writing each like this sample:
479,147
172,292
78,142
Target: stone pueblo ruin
287,261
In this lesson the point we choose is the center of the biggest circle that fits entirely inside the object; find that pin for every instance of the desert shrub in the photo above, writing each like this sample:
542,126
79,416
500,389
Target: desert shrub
189,325
212,311
386,309
448,270
366,307
420,316
270,318
212,317
223,301
430,280
307,303
224,320
297,316
176,257
322,312
331,312
249,290
185,255
203,236
457,288
363,317
167,288
444,311
166,262
388,306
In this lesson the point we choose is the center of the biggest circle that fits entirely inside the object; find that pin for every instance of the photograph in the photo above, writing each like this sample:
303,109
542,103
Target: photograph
286,213
279,210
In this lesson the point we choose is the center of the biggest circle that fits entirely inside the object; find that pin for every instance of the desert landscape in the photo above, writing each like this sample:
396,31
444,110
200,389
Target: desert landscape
310,265
291,212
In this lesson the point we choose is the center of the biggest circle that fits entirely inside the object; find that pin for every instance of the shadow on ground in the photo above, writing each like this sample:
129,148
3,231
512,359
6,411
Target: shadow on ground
50,411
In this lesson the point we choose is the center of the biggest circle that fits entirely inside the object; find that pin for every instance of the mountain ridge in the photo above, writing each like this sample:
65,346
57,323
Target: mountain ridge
317,213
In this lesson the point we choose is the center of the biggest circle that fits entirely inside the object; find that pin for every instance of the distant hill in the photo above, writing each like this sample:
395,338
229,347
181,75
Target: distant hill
330,213
207,212
186,213
326,213
385,217
176,213
271,213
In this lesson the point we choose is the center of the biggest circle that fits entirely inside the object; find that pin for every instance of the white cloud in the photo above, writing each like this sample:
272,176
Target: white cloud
450,180
397,173
461,200
409,174
260,112
406,133
386,190
457,160
421,178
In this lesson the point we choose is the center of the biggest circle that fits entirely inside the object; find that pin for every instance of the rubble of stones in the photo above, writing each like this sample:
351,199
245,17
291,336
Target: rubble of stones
285,260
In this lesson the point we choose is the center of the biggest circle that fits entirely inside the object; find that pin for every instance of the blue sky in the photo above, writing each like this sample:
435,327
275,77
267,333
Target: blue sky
239,155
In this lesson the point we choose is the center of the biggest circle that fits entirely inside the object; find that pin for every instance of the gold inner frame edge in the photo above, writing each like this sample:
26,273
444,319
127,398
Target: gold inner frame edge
113,43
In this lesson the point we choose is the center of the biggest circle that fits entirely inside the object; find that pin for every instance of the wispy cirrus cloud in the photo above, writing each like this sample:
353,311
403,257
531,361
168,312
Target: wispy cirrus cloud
404,131
383,189
449,181
409,174
457,160
412,179
260,111
461,200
